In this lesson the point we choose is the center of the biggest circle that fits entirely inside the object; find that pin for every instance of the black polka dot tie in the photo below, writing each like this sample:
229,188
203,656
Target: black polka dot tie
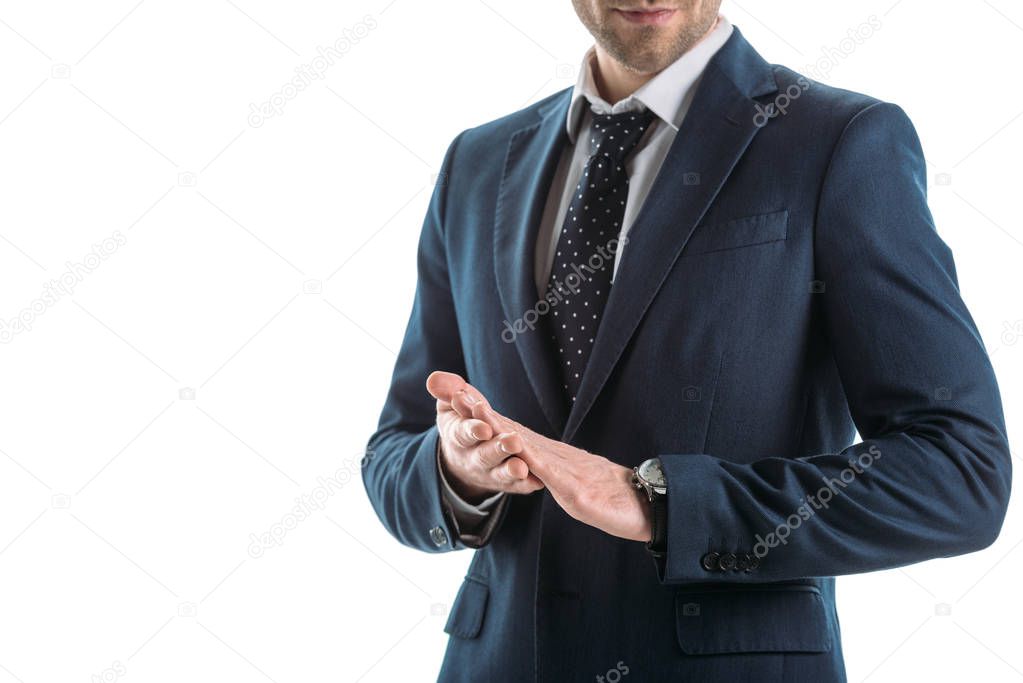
584,259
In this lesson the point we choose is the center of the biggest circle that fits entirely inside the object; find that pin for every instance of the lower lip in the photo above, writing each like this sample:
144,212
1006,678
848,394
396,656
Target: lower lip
659,17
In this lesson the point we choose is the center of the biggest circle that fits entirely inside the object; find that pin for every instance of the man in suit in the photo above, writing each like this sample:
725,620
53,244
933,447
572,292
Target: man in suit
678,289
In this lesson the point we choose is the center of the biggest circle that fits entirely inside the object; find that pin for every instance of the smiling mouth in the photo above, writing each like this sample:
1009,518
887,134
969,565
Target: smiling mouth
656,16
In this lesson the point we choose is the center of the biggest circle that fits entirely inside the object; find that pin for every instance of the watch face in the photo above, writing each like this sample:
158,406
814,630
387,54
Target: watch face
651,472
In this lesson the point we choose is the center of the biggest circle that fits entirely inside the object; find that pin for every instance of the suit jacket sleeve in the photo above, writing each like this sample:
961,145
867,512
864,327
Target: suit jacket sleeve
400,469
931,477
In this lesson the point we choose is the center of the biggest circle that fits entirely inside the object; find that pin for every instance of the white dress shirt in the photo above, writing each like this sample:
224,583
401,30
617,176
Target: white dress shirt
667,95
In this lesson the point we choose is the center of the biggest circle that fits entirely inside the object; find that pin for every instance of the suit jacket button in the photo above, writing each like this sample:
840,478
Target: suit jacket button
726,562
710,562
438,536
754,562
742,562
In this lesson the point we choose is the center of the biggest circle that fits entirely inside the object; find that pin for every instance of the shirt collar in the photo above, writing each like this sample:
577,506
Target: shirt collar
667,94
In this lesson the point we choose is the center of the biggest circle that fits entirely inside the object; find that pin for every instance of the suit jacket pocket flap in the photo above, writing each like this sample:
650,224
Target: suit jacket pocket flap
752,619
466,615
739,232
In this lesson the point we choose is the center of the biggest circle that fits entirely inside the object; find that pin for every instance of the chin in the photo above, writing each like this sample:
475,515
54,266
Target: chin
643,59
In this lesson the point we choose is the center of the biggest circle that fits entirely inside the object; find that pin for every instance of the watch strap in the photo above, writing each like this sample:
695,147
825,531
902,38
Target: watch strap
658,543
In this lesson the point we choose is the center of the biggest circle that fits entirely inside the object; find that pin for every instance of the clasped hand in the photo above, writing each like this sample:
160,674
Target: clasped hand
483,452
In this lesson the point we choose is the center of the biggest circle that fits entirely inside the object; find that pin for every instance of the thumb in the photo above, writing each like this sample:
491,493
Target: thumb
443,385
539,467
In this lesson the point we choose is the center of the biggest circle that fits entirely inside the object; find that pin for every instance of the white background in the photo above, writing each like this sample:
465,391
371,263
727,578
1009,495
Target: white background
270,269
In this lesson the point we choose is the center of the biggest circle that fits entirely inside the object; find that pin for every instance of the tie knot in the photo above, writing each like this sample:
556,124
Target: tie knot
615,135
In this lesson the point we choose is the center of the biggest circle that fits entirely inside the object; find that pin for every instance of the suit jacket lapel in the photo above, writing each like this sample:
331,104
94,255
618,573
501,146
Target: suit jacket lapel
530,164
714,134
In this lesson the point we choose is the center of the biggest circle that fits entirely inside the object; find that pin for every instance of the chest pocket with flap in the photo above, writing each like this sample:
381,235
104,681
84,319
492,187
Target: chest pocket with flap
738,232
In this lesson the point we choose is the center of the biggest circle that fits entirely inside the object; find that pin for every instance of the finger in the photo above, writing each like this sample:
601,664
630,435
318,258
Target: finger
474,393
462,403
506,476
537,464
509,472
452,392
494,452
482,411
443,385
516,468
468,433
528,485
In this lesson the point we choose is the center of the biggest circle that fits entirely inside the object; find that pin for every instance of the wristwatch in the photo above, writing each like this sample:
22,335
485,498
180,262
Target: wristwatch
649,478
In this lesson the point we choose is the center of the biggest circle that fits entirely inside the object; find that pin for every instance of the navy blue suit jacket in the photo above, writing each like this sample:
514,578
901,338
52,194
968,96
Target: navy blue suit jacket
782,288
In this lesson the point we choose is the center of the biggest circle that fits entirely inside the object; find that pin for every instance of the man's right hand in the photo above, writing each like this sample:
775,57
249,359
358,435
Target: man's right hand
476,462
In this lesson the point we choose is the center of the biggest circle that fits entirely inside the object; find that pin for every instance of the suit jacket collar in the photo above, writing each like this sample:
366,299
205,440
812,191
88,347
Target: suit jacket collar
718,127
